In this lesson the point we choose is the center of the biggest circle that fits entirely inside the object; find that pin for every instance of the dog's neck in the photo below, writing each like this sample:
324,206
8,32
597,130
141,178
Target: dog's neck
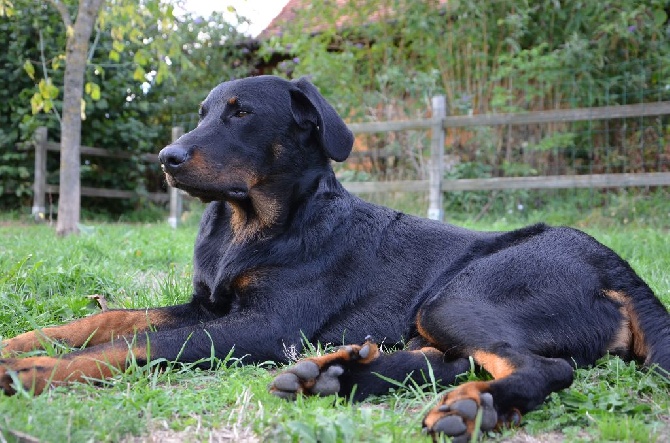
252,217
265,212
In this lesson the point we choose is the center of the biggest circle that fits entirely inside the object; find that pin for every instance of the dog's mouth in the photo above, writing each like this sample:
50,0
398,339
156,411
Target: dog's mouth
208,194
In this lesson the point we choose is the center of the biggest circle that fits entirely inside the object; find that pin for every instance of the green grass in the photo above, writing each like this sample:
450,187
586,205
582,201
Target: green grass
45,280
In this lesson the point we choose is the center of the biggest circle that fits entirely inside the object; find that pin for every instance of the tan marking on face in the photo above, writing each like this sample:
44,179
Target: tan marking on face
247,220
248,223
232,101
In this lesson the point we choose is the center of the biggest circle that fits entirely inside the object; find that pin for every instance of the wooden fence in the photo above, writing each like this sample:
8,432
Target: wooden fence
436,185
41,188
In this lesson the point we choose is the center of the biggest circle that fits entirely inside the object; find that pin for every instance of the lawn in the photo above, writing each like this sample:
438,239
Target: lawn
46,280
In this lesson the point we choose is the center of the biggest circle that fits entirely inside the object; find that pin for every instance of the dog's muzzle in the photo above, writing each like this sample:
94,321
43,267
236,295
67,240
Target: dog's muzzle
173,157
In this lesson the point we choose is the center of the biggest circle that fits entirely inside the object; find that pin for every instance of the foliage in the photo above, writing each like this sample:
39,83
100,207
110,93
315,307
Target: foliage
501,56
125,111
17,122
476,51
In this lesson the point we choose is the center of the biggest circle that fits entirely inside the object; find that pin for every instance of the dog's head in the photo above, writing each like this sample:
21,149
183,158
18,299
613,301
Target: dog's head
258,134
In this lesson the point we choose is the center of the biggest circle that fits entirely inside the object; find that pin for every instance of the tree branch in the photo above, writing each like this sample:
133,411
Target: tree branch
64,13
91,51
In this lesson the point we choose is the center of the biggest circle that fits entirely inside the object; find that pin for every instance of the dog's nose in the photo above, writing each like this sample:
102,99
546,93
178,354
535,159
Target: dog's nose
173,156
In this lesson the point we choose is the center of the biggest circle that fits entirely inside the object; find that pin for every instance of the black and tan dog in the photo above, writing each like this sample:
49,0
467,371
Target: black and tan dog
285,253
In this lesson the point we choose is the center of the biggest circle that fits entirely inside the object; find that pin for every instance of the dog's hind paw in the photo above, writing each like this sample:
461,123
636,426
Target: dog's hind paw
320,375
458,413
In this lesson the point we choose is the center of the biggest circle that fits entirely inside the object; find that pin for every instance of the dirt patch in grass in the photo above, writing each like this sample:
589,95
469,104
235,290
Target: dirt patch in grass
232,434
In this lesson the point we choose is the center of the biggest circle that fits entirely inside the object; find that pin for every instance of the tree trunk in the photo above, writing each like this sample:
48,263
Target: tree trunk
69,202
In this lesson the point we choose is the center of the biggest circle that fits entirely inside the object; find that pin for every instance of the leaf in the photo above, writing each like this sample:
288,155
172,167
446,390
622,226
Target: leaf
660,17
6,8
30,69
36,103
44,91
139,74
53,90
114,56
140,58
93,90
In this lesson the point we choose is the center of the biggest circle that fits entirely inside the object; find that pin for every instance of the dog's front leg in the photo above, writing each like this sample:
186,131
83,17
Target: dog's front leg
35,374
195,343
97,329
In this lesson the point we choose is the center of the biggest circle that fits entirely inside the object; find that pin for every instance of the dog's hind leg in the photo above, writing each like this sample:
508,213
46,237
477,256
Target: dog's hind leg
495,336
521,382
359,371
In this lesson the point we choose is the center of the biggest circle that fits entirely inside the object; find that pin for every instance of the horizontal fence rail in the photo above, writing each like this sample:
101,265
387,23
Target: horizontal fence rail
533,117
437,183
41,188
511,183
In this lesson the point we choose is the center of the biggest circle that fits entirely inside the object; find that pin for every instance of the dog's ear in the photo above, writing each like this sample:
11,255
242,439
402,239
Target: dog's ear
311,109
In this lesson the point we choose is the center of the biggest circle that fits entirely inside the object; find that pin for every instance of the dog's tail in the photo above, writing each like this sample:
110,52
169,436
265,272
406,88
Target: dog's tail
649,323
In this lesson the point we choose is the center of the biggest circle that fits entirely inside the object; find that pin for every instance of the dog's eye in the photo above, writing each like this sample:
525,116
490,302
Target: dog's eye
241,113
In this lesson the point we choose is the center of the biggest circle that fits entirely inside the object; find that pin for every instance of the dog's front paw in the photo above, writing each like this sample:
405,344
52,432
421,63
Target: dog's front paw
320,375
25,342
33,374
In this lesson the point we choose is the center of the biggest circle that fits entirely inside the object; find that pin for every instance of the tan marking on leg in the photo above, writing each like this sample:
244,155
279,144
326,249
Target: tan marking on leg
89,331
346,353
427,350
630,335
495,365
624,336
39,373
422,331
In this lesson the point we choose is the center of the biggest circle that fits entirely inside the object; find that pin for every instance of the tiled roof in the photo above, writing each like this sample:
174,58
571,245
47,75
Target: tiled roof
292,7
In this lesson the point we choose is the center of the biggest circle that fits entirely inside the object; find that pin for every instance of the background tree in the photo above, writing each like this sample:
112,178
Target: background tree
76,50
127,21
125,110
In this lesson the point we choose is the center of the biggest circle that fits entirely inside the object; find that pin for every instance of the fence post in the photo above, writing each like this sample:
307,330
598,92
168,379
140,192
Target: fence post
436,171
40,183
175,195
